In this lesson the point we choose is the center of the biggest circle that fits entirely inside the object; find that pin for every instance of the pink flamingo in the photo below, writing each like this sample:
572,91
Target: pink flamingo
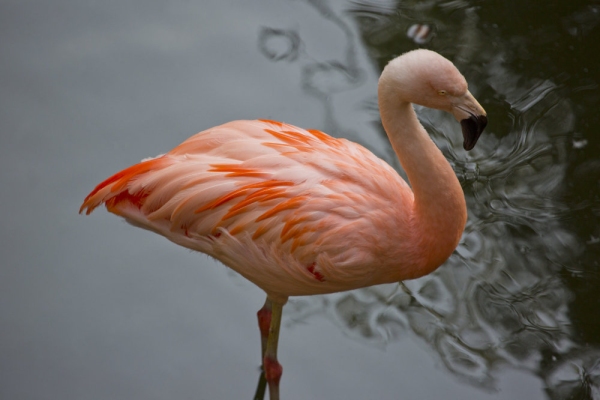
298,212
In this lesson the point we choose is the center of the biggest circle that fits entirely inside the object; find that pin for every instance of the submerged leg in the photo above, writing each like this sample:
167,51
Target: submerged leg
271,366
264,322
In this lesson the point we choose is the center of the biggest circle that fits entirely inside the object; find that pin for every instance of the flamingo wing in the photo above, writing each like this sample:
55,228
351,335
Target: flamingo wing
297,197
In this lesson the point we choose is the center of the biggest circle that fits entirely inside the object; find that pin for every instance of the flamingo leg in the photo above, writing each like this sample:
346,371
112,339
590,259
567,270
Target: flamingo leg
261,387
271,366
264,322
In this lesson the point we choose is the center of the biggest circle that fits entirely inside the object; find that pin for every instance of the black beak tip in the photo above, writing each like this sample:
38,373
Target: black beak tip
472,128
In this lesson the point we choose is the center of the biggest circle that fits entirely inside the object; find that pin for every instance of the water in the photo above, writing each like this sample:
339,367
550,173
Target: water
92,308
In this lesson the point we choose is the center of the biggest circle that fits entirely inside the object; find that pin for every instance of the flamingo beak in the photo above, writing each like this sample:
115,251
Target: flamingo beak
472,118
472,128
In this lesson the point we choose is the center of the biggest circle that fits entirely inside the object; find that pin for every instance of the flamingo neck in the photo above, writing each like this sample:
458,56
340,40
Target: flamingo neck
439,210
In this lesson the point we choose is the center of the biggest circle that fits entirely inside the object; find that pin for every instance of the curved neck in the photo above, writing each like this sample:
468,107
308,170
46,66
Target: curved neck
439,208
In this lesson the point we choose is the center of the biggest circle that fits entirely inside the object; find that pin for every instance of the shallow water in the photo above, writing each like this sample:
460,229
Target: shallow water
93,308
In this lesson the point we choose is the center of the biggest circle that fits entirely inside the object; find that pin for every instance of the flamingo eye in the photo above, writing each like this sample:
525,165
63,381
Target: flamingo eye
442,92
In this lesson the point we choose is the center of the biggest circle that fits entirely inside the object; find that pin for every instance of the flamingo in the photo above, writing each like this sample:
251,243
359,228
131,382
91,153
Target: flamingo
298,212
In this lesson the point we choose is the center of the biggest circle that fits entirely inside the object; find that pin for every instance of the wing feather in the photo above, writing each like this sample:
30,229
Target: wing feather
260,182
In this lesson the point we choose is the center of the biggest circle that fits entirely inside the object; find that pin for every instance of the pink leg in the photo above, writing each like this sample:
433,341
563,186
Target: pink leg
271,366
269,322
264,321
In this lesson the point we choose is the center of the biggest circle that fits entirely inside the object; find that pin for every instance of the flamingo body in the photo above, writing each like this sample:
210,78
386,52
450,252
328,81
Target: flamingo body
295,211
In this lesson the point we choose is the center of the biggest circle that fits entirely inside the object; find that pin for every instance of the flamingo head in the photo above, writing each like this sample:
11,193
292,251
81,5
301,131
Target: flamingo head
426,78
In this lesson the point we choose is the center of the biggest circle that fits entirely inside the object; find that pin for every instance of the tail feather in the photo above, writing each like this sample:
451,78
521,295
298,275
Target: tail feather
114,190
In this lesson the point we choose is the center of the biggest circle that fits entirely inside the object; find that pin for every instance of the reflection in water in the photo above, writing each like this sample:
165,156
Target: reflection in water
501,299
577,376
583,21
420,33
279,44
320,79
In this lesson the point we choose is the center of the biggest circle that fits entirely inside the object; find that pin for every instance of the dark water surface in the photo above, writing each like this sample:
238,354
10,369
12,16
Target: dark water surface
91,308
